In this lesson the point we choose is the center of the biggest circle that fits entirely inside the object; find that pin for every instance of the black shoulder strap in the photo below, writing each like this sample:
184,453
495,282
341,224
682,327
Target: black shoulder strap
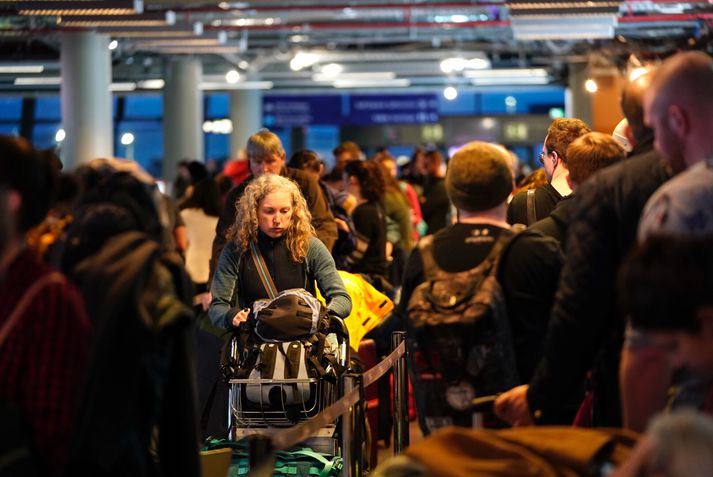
430,267
262,272
499,248
531,209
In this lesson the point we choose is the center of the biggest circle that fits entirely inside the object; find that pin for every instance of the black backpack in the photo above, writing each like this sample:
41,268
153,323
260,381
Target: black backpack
460,344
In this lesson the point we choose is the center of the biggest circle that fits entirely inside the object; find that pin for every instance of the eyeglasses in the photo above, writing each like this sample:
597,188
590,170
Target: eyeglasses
542,155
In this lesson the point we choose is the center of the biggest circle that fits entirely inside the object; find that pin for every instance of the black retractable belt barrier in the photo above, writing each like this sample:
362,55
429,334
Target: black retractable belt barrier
401,422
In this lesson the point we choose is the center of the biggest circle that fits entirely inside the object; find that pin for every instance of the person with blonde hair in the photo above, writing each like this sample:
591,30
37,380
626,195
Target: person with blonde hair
266,155
273,215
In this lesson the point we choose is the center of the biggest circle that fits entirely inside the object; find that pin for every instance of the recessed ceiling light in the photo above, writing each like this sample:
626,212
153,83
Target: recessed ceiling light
232,76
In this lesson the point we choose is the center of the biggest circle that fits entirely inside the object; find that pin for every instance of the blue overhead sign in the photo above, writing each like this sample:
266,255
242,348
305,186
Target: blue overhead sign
388,109
298,111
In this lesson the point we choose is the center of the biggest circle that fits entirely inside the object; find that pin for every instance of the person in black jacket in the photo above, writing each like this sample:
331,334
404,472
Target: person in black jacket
586,155
585,329
553,158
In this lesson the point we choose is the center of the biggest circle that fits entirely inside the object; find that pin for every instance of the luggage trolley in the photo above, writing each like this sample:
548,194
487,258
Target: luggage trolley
265,406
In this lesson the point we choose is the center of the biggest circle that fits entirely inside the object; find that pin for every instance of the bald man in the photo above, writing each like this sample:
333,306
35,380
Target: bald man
586,330
678,107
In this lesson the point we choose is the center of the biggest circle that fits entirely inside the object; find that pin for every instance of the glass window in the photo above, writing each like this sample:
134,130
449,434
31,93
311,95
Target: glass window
144,106
10,108
322,140
10,129
217,106
147,148
48,108
43,135
217,147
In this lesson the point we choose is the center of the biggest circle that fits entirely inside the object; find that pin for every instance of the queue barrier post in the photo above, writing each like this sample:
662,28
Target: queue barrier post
261,459
401,422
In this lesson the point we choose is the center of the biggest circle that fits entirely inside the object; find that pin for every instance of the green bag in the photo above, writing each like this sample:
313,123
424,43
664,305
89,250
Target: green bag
303,462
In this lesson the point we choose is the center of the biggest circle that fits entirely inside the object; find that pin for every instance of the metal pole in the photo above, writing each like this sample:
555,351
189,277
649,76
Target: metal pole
261,458
231,417
401,424
351,435
359,422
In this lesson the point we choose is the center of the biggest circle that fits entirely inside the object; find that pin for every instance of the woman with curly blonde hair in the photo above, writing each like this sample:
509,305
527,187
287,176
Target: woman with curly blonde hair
273,214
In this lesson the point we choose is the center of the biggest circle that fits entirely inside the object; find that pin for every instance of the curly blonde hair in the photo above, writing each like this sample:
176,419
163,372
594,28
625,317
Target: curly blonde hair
244,229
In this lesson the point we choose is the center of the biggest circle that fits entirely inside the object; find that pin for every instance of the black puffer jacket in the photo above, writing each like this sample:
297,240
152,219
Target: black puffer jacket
585,329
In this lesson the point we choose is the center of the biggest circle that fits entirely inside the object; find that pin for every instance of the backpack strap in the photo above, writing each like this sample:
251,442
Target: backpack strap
531,209
262,272
430,267
501,245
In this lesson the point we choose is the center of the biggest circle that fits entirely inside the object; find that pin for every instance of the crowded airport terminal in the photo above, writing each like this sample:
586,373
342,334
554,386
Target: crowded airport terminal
322,238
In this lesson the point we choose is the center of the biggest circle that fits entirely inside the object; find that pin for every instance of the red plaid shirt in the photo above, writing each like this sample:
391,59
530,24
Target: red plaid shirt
44,359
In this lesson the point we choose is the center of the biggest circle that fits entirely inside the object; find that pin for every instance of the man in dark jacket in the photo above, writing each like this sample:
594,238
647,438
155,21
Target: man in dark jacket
267,156
554,160
586,155
585,329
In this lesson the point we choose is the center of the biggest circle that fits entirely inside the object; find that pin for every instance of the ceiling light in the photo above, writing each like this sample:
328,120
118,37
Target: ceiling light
452,65
509,76
450,93
243,65
151,84
127,139
508,73
113,45
44,80
477,64
591,86
22,68
232,76
331,70
81,7
637,73
219,126
303,60
60,135
382,75
125,86
249,85
394,83
458,64
564,27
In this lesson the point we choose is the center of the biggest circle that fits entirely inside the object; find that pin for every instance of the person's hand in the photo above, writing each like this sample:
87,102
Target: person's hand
206,298
241,317
341,224
512,407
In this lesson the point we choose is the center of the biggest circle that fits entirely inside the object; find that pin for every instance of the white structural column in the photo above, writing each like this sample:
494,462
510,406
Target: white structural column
246,116
86,99
578,103
182,114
